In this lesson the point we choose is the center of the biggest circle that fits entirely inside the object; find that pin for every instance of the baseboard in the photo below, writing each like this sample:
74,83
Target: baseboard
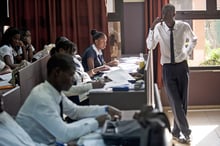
198,108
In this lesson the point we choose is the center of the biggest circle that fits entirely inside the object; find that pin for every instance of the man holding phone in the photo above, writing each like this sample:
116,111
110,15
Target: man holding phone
173,35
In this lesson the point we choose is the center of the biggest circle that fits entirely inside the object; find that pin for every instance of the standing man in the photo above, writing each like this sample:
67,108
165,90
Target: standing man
172,35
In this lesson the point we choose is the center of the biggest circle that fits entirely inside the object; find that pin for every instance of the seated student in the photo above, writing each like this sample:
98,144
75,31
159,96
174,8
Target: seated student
57,41
93,58
13,134
12,50
41,114
26,39
78,92
4,69
75,56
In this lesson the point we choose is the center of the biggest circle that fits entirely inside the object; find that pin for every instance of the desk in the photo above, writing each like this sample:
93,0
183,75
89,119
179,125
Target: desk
95,139
124,100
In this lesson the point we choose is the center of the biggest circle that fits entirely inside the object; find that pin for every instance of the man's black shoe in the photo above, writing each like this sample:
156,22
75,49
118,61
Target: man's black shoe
182,140
188,139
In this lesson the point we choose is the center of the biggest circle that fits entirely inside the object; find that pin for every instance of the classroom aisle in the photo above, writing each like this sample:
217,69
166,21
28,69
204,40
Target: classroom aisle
205,126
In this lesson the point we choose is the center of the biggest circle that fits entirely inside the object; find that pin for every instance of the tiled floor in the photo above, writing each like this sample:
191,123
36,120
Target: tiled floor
205,126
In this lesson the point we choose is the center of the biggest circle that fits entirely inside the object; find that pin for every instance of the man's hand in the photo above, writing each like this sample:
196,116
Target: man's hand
157,20
98,84
101,119
114,113
72,143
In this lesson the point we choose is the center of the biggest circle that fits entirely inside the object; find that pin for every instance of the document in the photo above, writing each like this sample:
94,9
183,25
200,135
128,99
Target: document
6,77
119,75
4,81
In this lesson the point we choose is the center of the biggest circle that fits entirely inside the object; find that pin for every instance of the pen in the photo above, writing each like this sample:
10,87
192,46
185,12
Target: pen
61,144
64,144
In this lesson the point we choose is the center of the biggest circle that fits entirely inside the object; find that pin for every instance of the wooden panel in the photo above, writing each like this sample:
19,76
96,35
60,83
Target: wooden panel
11,101
134,28
203,89
32,75
124,100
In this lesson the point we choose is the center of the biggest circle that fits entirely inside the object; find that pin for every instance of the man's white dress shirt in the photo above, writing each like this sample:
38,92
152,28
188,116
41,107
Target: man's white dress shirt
40,116
12,134
184,41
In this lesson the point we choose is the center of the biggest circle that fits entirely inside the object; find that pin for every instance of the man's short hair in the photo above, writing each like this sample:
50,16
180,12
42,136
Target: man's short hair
168,8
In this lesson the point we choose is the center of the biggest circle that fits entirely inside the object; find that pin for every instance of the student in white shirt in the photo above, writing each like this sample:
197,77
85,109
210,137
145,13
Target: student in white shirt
41,114
12,48
26,39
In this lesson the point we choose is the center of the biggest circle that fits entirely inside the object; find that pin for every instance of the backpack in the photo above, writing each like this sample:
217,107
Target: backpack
155,124
147,128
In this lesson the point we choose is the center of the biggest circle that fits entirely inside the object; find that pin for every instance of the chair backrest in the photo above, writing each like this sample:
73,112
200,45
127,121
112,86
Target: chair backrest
11,101
32,75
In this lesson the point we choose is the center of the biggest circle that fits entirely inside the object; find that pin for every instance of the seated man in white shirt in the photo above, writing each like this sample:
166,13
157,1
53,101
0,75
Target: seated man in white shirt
41,114
13,134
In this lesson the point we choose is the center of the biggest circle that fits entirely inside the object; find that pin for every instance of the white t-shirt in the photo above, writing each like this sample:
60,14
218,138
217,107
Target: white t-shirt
8,50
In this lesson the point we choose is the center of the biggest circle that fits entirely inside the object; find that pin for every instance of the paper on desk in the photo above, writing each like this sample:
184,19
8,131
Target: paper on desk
111,69
100,90
92,139
5,83
116,84
119,75
6,77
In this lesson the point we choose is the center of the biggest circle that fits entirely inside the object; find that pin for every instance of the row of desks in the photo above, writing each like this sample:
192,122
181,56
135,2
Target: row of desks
35,73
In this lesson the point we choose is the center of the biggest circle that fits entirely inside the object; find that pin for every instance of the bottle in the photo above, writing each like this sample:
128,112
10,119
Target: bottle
141,61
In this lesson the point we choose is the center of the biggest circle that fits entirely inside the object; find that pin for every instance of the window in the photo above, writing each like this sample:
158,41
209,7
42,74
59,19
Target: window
218,4
189,5
114,9
204,18
111,6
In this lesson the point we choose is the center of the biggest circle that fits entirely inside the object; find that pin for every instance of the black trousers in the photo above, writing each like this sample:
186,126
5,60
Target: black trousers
176,79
